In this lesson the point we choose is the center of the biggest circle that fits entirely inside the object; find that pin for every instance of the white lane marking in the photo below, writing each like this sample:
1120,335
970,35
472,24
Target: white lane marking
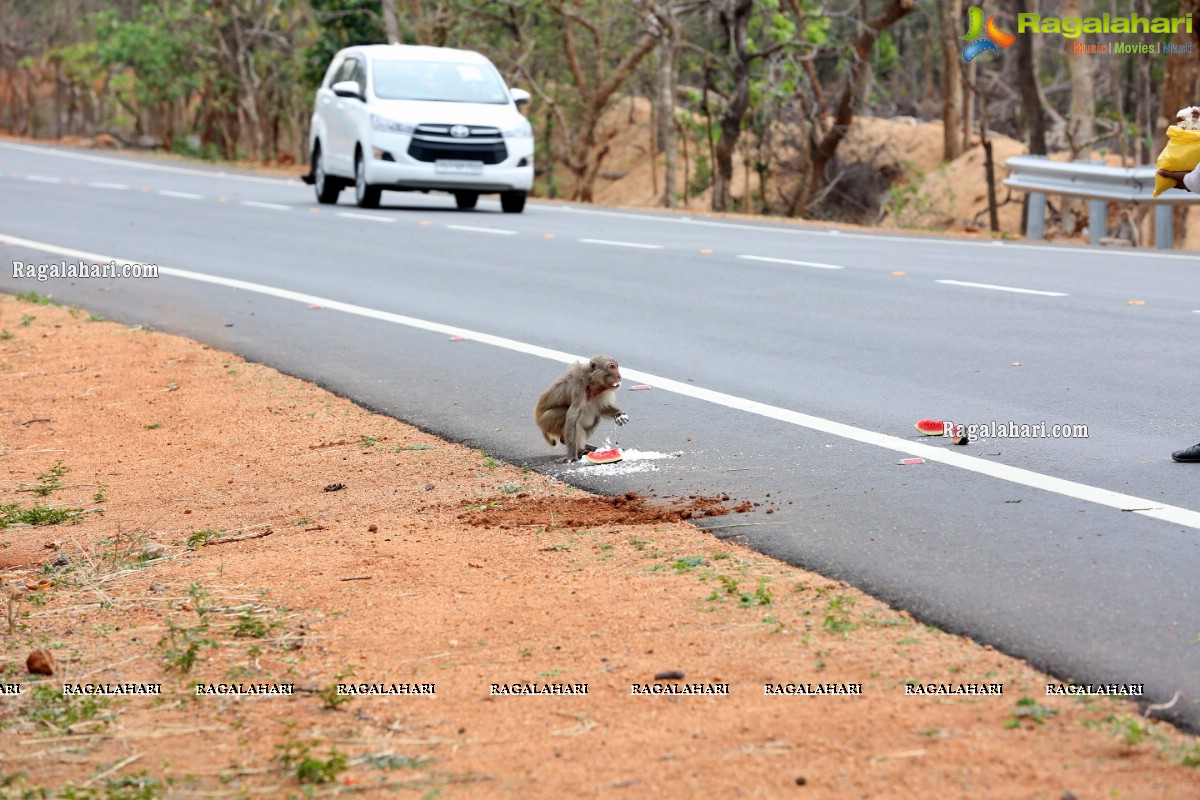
101,185
996,288
372,217
42,179
182,195
919,241
816,264
49,151
272,206
623,244
1079,491
472,229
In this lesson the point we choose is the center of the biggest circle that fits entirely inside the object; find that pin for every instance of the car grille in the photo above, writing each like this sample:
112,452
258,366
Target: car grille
433,142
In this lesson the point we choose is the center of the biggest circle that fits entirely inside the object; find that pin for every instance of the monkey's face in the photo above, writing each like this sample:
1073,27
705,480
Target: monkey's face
614,375
608,371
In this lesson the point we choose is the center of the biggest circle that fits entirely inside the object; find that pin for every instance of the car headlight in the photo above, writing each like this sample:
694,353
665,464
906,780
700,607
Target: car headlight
390,125
522,130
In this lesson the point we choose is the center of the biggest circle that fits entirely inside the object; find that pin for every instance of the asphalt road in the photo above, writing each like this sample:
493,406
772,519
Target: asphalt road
786,360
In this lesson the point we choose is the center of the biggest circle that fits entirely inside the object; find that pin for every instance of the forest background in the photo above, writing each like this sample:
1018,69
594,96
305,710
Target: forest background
846,110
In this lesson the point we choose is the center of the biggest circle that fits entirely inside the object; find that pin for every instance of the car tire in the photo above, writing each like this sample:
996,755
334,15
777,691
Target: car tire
512,202
326,186
466,200
365,195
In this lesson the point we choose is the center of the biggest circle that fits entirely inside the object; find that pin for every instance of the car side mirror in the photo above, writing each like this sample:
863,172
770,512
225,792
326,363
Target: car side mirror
519,96
347,89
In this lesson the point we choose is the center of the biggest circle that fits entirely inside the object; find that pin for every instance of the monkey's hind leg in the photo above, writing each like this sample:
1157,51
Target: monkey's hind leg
551,424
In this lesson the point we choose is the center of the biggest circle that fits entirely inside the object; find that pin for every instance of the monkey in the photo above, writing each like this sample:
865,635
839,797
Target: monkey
571,408
1127,229
1126,233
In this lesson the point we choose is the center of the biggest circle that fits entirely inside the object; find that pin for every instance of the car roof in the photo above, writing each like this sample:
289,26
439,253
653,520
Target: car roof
414,52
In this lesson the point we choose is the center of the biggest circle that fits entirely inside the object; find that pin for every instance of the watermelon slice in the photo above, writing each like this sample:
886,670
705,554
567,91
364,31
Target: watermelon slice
604,456
931,427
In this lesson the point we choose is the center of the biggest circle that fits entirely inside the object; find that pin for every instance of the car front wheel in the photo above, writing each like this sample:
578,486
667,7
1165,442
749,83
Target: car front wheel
365,195
466,200
512,202
327,188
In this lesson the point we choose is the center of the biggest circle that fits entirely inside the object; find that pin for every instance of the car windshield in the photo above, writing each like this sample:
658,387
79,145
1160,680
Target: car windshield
437,80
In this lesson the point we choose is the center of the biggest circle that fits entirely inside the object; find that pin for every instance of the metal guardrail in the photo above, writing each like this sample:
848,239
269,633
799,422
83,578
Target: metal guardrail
1038,176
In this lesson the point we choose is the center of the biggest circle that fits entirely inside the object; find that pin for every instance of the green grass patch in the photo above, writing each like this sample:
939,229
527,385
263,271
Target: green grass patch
38,515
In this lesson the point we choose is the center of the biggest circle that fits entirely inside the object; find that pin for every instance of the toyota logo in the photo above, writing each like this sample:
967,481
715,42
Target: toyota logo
460,131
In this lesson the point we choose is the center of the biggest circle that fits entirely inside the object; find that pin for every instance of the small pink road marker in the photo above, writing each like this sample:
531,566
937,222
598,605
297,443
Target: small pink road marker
912,461
313,307
458,338
639,388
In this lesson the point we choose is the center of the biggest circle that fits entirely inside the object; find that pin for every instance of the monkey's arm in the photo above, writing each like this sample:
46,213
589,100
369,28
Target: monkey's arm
619,417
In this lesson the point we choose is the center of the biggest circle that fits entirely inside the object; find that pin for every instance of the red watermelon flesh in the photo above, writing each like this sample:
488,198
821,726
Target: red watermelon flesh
931,427
604,456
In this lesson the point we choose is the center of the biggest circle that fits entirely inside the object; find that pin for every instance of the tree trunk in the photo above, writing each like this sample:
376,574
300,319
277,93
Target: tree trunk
949,12
989,164
747,207
1035,116
687,183
1081,124
968,103
731,129
250,85
735,18
667,137
58,103
29,123
391,25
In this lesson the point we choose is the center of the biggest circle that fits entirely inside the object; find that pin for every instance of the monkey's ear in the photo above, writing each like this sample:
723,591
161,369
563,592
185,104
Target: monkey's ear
592,365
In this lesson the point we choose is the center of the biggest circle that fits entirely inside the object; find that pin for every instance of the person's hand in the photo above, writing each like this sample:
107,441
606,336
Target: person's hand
1175,175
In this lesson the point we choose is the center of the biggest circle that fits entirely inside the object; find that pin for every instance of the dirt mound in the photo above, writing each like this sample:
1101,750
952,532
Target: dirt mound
591,512
927,193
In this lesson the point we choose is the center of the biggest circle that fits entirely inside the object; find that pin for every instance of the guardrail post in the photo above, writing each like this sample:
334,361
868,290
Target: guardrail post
1035,226
1164,232
1097,221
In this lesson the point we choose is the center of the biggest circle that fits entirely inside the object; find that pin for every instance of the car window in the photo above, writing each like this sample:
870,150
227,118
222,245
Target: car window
348,70
333,73
437,80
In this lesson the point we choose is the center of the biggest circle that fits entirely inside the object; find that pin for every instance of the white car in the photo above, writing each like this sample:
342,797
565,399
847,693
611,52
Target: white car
415,118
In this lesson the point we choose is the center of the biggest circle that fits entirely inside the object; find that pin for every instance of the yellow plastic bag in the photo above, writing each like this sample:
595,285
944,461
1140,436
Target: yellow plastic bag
1181,154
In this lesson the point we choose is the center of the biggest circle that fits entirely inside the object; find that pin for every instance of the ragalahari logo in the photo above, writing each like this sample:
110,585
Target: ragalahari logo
991,35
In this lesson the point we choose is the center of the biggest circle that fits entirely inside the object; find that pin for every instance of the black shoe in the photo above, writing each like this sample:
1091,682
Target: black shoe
1192,454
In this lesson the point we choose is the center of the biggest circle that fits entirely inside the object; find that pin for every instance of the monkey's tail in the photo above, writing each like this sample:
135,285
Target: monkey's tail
550,439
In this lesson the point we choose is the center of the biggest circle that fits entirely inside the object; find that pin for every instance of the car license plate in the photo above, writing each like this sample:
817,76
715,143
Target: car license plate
459,167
